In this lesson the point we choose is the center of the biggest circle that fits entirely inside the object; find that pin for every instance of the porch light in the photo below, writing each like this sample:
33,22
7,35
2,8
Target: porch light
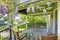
28,9
48,3
33,9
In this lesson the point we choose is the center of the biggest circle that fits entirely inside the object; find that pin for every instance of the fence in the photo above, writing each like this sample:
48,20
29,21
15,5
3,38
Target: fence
9,34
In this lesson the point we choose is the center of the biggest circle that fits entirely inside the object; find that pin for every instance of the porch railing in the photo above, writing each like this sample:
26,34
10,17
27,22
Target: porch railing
20,36
6,34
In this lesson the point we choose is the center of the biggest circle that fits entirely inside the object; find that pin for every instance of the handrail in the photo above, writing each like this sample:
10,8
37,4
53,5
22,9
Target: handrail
10,32
23,36
4,30
20,37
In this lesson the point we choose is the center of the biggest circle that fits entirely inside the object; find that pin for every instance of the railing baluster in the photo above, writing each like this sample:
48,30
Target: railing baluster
10,32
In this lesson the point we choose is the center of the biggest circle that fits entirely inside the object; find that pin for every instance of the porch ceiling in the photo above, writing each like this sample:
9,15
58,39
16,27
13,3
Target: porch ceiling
42,4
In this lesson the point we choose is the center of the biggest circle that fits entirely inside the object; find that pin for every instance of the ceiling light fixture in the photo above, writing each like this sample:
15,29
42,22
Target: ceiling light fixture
28,9
33,9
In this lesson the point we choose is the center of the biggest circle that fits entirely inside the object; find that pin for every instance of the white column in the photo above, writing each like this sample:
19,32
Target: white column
58,19
54,22
58,26
48,24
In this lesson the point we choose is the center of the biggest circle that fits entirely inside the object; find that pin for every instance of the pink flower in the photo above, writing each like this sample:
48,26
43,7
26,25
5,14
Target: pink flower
3,8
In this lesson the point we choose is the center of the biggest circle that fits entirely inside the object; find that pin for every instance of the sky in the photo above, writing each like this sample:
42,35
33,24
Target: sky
25,0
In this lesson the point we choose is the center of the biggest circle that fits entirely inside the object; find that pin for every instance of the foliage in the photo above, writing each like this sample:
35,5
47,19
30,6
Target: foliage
34,19
3,27
23,17
1,38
